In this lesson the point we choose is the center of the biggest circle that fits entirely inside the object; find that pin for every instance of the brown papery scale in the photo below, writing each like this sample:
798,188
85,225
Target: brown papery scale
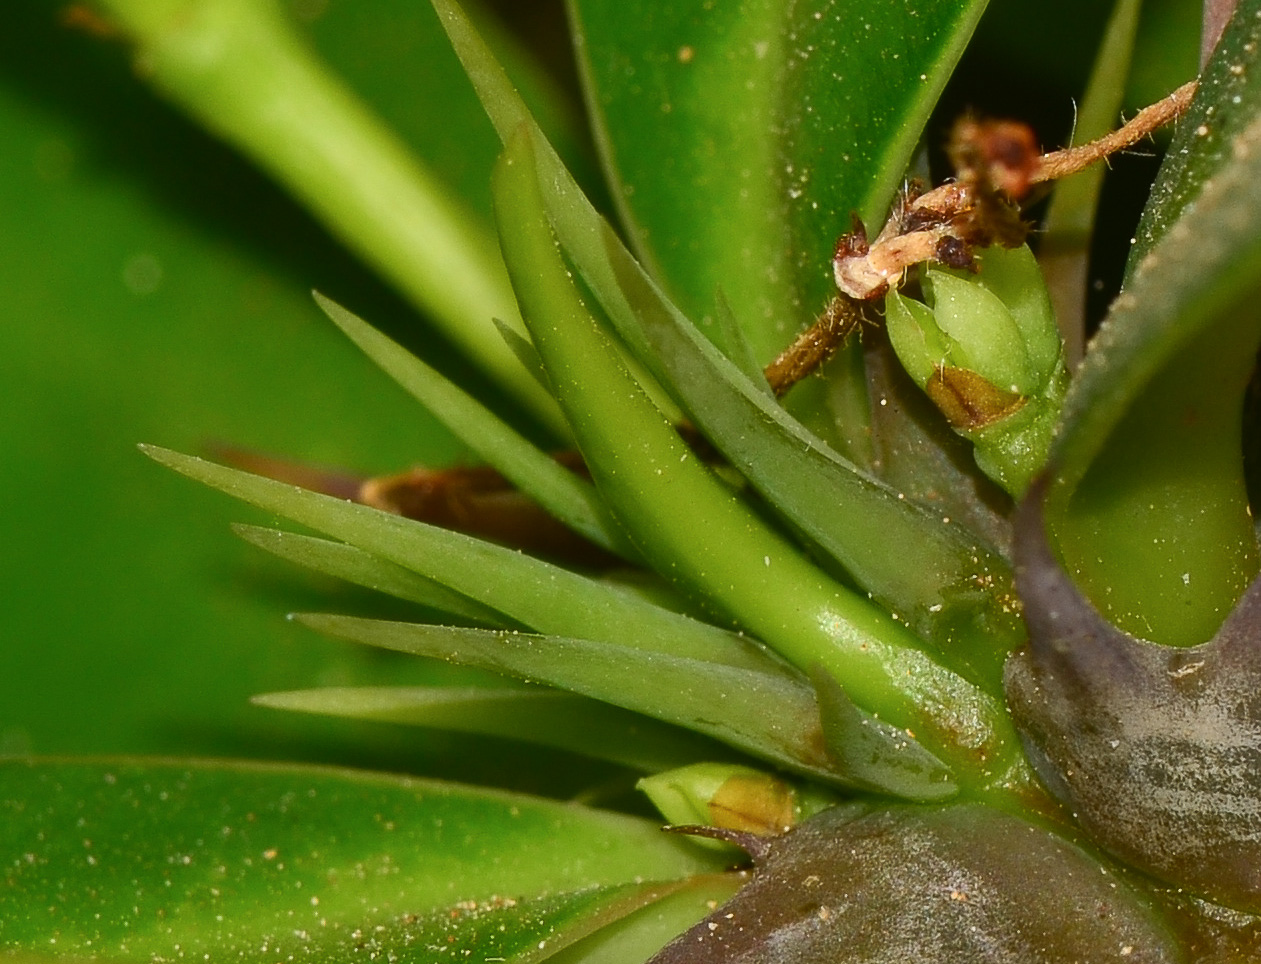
930,885
1155,750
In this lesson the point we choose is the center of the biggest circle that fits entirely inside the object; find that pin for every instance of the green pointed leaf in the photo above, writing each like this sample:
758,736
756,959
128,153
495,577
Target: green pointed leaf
534,593
126,861
813,112
573,500
354,565
771,717
533,714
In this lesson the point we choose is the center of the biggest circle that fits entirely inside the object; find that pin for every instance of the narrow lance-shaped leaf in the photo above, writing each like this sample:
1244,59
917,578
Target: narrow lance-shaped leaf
773,719
570,498
356,566
534,714
532,592
696,531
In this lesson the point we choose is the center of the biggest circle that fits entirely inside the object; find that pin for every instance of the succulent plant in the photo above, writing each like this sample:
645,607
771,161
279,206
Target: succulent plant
931,643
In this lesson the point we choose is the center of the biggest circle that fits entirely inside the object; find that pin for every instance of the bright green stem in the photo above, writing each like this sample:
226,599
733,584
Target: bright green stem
699,534
242,70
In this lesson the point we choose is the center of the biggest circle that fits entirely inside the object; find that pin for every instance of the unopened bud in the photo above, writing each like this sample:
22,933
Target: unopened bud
730,797
986,351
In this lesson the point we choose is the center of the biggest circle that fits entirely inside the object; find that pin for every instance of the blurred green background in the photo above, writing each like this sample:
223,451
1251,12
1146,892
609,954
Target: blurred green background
156,288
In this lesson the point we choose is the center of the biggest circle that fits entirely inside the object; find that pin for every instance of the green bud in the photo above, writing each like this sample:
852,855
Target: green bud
986,350
731,797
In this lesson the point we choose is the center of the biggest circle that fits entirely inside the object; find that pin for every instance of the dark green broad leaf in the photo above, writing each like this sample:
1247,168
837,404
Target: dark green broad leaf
128,861
1151,511
740,136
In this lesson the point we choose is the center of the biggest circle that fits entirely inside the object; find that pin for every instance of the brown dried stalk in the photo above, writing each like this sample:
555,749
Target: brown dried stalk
996,165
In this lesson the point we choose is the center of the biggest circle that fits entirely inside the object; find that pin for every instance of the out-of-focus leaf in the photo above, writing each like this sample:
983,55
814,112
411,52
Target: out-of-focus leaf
244,71
131,861
742,135
1158,531
533,714
155,287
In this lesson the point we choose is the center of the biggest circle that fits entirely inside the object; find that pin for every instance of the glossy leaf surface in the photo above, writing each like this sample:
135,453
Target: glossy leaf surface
1158,531
766,154
127,861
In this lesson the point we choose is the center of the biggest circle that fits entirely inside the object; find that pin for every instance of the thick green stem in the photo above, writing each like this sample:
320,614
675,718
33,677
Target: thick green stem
698,533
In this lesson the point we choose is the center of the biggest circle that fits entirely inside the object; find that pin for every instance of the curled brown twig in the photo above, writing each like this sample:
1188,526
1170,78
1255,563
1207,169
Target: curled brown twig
996,163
